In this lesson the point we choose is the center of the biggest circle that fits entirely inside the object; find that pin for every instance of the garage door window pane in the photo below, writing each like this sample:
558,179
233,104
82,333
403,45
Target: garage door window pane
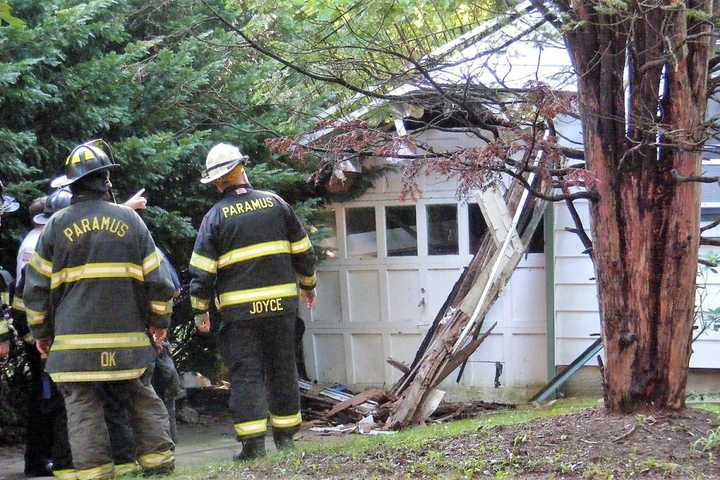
401,231
361,232
442,229
477,227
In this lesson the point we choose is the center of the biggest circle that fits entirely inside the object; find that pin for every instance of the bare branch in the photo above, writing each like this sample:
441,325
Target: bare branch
710,226
709,241
693,178
579,228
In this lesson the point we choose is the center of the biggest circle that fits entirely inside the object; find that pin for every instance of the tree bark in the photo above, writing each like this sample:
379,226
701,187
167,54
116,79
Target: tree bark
645,226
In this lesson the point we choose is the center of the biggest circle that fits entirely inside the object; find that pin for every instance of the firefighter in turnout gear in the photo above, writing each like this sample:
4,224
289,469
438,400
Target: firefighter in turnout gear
253,258
96,299
7,205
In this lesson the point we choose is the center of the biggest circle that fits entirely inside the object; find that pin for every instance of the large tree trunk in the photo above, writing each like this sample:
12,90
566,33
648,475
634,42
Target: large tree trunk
645,224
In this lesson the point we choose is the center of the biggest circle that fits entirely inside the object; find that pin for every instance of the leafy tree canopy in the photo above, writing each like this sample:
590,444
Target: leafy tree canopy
153,79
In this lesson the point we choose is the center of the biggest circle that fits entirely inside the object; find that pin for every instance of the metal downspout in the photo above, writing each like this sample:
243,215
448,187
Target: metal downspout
549,234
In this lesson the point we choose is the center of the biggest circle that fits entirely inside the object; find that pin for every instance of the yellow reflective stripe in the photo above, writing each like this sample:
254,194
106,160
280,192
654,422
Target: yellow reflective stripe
34,317
199,303
301,246
203,263
253,251
287,421
18,304
126,469
310,281
100,340
109,376
97,270
4,328
151,461
253,427
41,265
67,474
246,296
161,308
96,473
151,263
5,298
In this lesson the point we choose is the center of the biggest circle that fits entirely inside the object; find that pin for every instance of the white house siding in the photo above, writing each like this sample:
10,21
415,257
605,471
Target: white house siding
577,315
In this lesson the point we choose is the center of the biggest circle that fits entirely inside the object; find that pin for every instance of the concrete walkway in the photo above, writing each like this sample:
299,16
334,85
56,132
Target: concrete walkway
197,444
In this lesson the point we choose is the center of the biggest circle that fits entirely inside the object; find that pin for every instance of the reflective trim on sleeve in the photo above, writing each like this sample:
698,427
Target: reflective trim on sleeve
151,263
287,421
254,251
153,461
301,246
161,308
97,270
66,474
5,298
309,282
203,263
4,328
35,317
198,303
265,293
100,340
109,376
41,265
253,427
97,473
18,304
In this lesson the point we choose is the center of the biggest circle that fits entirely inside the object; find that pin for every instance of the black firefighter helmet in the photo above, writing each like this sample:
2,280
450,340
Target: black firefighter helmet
55,202
87,158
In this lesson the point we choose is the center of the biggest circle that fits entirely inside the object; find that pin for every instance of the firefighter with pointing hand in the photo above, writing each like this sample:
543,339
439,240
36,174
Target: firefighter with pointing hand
94,296
254,259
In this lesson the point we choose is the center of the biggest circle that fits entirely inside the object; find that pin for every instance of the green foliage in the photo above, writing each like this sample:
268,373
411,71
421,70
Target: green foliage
153,79
156,81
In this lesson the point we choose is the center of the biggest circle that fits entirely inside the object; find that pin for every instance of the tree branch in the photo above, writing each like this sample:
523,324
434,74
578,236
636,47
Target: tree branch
709,241
579,227
590,195
693,178
710,226
321,78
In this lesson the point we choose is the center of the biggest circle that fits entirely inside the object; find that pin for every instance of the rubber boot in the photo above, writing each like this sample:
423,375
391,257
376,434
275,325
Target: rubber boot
251,448
283,439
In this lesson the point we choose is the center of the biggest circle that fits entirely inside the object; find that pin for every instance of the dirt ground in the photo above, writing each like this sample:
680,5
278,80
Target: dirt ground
590,444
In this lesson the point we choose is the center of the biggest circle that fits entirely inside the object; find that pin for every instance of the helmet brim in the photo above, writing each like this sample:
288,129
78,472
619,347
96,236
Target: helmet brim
64,181
219,171
41,218
8,205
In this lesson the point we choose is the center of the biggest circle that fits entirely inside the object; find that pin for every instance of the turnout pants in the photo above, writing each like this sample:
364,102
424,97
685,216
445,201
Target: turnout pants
260,354
88,432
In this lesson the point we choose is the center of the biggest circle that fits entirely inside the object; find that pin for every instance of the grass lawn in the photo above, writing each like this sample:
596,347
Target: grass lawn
524,443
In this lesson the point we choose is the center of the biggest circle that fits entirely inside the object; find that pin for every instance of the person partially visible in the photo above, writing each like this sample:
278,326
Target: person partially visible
27,246
95,295
47,448
7,205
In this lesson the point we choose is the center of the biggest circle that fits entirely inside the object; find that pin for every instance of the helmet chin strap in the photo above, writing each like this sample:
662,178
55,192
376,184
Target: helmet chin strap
109,186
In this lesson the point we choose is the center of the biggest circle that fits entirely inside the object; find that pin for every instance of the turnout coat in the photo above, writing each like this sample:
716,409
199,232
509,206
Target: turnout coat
250,255
94,285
